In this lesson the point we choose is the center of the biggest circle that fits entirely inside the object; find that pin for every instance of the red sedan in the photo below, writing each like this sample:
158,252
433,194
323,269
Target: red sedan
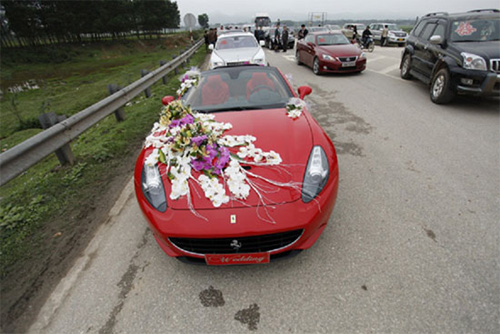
330,52
237,171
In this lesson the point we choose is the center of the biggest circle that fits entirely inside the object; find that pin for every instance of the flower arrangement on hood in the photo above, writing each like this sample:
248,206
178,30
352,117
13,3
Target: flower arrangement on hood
294,107
186,141
188,80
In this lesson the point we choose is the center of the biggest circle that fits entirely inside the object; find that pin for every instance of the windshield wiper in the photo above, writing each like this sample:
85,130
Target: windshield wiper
241,108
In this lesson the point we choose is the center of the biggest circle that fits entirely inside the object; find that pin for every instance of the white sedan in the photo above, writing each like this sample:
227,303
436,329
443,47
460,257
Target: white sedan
237,49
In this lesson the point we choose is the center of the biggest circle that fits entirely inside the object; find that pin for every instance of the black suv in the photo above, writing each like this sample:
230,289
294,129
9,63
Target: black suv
455,53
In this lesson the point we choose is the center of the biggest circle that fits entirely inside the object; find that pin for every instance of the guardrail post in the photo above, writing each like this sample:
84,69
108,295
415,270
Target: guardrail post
119,113
64,154
176,70
165,78
148,90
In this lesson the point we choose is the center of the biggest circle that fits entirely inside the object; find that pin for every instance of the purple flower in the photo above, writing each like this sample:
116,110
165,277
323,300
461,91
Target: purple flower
188,119
185,78
199,165
198,140
223,158
174,123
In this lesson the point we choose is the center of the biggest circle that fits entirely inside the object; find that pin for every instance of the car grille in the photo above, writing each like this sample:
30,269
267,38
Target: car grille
400,34
495,65
238,63
346,59
253,244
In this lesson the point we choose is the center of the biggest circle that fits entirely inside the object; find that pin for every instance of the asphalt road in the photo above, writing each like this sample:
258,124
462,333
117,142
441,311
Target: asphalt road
411,247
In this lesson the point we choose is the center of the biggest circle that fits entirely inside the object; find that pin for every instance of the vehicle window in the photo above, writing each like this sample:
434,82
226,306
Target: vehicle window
440,30
332,39
309,39
235,42
238,88
418,29
393,27
427,32
475,30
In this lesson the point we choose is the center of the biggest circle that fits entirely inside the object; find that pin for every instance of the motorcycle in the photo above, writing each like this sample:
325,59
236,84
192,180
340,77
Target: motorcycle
368,45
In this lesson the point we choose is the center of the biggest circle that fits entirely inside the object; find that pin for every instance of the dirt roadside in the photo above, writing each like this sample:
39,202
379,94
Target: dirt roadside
26,290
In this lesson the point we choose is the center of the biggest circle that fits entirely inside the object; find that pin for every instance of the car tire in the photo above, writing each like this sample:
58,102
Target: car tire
371,47
405,67
316,67
297,58
441,89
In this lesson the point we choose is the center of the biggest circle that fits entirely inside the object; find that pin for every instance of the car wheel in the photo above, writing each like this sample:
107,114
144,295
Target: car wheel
441,88
405,67
316,67
297,58
371,47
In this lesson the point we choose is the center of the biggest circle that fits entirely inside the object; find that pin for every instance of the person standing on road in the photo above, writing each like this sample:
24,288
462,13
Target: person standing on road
284,38
383,36
277,38
205,36
303,32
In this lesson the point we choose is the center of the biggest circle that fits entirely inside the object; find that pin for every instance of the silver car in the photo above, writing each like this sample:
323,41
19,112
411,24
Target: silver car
395,36
237,49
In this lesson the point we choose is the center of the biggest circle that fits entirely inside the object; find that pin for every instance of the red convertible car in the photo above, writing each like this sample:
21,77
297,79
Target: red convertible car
237,171
329,52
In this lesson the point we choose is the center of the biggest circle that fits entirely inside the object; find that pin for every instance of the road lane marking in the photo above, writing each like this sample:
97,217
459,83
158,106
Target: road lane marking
389,69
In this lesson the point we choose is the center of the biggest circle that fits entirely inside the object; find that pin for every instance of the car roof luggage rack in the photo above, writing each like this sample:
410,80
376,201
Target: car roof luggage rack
437,14
491,10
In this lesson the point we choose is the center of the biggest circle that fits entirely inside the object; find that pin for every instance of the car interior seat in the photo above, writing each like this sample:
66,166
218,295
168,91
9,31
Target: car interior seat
214,91
259,79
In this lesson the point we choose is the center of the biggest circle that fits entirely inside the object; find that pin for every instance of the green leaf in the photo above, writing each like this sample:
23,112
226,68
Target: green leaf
163,158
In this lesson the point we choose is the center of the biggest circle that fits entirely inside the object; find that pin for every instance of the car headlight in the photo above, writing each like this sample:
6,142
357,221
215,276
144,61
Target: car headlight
317,173
473,62
152,187
391,34
327,57
259,58
362,55
216,61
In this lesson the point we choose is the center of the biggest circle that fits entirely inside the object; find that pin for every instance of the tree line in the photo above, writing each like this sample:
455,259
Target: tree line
42,22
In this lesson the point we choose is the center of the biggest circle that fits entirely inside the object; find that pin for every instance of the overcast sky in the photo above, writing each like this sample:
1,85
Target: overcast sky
231,11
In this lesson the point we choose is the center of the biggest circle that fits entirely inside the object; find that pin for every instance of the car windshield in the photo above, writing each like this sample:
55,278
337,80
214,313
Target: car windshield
393,27
236,42
475,30
316,29
332,39
238,88
262,21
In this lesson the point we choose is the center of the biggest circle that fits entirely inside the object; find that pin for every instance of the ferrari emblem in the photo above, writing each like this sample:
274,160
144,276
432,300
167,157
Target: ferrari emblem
233,219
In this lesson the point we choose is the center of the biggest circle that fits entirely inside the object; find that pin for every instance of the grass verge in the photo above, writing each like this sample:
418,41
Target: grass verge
50,211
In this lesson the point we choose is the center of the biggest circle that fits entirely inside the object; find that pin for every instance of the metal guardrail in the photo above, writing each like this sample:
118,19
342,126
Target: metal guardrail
21,157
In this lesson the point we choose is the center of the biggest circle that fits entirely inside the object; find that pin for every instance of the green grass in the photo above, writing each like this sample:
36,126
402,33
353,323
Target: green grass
47,191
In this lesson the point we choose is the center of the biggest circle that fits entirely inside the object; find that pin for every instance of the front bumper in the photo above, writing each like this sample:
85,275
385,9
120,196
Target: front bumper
395,39
335,66
476,83
311,218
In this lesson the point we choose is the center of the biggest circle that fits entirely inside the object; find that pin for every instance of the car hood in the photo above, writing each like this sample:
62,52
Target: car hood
237,55
275,131
487,50
340,50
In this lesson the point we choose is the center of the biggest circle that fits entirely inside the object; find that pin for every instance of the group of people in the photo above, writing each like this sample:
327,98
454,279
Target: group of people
210,37
280,41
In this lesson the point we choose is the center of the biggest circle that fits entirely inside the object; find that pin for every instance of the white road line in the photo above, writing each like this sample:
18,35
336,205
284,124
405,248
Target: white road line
370,59
389,69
